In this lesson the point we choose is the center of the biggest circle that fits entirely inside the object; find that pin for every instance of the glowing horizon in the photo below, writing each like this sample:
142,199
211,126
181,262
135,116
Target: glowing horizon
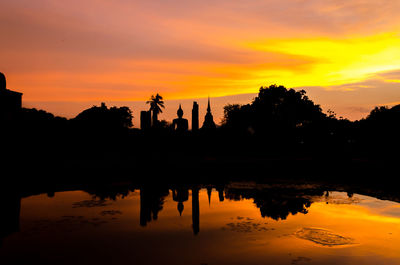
344,53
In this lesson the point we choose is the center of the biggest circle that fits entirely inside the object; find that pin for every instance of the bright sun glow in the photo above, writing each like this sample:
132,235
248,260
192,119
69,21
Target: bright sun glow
336,61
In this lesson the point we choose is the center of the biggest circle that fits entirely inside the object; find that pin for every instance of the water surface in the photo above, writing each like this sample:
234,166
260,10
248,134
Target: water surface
200,225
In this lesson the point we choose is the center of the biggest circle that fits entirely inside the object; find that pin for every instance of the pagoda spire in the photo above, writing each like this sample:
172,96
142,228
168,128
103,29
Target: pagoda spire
209,123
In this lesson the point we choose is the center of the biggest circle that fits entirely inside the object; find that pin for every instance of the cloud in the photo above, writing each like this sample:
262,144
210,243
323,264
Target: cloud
354,103
356,100
99,50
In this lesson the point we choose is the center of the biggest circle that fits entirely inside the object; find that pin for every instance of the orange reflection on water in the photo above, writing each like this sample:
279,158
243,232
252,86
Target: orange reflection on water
72,227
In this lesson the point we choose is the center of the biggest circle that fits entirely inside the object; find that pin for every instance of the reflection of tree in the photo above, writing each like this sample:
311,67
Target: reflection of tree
276,203
151,203
280,209
111,192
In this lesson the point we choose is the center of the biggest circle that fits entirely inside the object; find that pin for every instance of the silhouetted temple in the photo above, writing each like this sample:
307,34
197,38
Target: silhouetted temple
145,120
180,124
195,117
208,119
10,101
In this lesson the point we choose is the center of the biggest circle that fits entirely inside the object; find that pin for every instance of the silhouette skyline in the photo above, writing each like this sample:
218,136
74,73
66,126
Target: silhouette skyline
347,55
280,123
14,98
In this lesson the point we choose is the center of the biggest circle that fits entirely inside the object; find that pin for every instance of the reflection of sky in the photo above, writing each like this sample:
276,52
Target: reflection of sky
380,207
72,228
374,206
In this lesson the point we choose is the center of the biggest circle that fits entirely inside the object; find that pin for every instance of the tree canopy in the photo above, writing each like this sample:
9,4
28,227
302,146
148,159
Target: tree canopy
104,117
276,108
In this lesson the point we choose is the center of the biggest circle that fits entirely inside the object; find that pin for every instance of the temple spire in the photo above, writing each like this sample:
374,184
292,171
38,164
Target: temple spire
209,123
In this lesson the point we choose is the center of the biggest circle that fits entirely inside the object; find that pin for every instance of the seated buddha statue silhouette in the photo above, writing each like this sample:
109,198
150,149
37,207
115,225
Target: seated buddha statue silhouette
180,124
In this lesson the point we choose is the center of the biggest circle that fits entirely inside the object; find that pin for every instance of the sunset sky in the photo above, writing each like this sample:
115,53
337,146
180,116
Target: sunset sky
68,55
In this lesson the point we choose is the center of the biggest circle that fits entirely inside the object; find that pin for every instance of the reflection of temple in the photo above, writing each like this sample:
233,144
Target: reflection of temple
195,211
180,124
180,195
151,203
208,119
276,203
195,117
152,200
10,101
209,191
220,189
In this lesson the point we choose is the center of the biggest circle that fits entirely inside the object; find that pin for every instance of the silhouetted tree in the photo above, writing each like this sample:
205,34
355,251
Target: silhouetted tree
276,111
278,107
39,122
105,118
381,127
164,124
238,117
156,103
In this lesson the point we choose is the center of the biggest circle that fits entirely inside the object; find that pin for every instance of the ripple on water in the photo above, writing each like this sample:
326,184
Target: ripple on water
323,237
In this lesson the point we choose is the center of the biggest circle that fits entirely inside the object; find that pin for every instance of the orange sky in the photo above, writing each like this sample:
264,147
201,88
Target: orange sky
345,53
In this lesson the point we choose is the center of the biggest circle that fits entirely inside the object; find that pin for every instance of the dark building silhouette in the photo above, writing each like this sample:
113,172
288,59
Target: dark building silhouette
145,120
195,117
180,124
10,101
180,195
195,211
209,123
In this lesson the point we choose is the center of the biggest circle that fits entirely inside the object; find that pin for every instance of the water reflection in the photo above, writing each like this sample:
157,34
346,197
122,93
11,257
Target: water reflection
9,221
234,223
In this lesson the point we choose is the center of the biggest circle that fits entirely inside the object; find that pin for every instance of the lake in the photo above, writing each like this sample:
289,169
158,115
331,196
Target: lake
236,223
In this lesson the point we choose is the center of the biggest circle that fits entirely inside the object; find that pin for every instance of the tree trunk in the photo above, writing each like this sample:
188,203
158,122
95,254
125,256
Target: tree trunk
155,118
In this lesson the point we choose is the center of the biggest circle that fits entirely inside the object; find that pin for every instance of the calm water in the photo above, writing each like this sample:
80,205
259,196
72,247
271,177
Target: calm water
196,225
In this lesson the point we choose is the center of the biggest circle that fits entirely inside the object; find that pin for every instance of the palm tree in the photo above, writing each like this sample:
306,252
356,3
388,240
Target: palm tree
156,103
